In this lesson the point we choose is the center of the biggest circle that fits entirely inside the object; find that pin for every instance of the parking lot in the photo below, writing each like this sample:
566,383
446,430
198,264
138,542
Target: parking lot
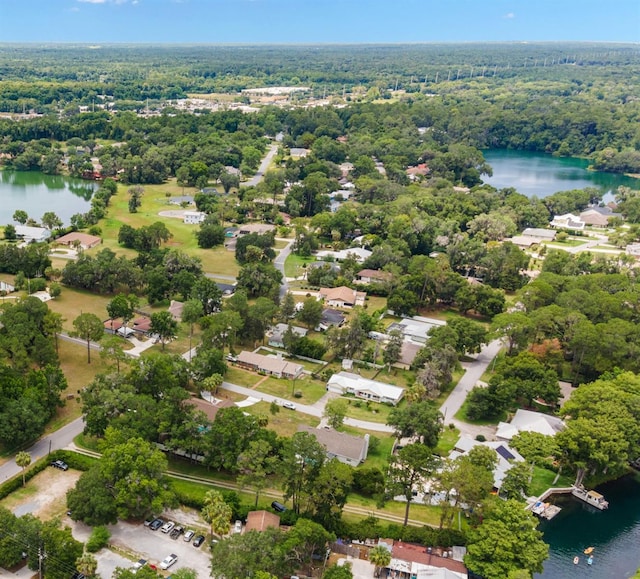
154,546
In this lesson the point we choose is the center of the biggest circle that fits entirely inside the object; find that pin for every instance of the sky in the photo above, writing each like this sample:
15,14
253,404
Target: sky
317,21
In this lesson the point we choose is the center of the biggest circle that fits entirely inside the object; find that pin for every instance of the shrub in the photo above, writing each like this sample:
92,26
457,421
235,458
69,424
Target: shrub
99,538
481,438
297,394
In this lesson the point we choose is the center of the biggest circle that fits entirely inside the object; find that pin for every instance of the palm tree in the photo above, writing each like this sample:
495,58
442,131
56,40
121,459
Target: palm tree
381,557
23,460
87,565
217,513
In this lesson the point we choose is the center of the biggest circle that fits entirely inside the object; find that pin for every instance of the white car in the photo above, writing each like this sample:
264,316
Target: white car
139,565
168,561
289,405
188,535
166,528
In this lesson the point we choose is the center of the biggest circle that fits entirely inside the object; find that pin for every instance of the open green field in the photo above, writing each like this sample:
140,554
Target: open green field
543,479
295,264
241,377
285,422
312,390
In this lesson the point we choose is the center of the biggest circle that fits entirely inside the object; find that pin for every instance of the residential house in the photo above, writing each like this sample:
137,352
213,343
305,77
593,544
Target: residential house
29,234
6,287
342,297
360,254
330,318
181,200
409,561
276,334
504,453
533,235
194,217
348,383
76,238
298,152
175,309
259,228
227,289
416,328
346,448
529,421
273,365
567,221
599,216
417,172
210,408
261,520
373,276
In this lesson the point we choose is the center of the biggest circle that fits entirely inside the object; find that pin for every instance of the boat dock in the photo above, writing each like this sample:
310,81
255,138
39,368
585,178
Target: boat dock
546,510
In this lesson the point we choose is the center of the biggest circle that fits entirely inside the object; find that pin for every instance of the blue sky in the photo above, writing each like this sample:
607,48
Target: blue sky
317,21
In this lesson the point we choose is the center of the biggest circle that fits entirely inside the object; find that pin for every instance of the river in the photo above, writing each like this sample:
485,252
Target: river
540,174
614,534
37,193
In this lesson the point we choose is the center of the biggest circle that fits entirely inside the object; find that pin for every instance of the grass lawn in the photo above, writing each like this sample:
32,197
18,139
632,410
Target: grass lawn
295,264
567,243
543,479
73,361
428,514
381,455
375,303
312,390
462,415
371,412
241,377
72,302
285,422
447,441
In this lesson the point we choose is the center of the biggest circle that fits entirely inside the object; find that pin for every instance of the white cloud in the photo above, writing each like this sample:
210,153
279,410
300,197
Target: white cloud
509,16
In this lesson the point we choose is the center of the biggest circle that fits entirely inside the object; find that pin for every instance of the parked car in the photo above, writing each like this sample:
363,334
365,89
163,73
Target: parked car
140,563
61,464
278,507
237,528
188,536
149,520
168,526
156,524
168,561
177,531
198,541
289,405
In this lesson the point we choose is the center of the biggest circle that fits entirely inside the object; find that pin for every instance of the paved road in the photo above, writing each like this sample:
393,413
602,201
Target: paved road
474,370
264,165
279,265
54,441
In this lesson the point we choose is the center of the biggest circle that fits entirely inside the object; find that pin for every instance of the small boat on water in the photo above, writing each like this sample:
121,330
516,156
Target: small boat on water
576,560
590,560
588,550
590,497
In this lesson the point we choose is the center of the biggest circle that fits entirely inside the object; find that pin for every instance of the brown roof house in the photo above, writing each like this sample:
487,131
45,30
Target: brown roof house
342,297
346,448
84,240
273,365
261,521
210,409
373,276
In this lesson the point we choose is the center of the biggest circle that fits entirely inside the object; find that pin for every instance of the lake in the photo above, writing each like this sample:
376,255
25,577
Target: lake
37,193
614,533
539,174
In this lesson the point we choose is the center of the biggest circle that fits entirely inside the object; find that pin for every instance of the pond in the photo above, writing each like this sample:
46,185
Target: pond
539,174
614,534
37,193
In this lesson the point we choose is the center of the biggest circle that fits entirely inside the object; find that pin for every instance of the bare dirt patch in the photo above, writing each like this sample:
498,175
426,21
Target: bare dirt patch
44,496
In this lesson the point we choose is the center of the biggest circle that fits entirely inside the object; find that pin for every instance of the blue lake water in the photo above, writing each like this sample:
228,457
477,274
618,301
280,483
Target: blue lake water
37,193
538,174
614,534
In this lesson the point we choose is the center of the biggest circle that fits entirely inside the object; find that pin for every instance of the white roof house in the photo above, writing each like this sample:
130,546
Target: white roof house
529,421
505,454
358,253
29,234
194,217
348,383
567,221
417,328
